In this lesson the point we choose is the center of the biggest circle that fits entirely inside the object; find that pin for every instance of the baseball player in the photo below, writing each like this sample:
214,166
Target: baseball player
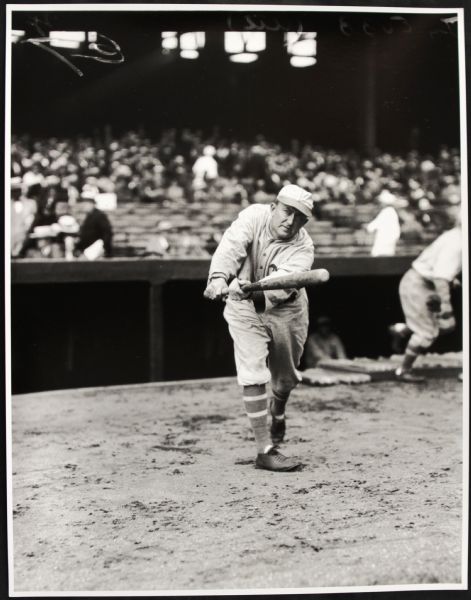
424,291
268,328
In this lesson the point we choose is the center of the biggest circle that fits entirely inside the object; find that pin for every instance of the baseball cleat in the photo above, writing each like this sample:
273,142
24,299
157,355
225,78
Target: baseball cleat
275,461
408,377
277,429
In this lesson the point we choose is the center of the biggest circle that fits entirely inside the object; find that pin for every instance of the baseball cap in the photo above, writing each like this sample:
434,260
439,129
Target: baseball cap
295,196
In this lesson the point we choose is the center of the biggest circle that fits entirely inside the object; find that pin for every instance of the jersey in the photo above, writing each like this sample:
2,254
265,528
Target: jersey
442,259
249,251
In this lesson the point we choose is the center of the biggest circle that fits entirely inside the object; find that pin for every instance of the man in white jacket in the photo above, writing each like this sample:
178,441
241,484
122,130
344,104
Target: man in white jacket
205,168
385,226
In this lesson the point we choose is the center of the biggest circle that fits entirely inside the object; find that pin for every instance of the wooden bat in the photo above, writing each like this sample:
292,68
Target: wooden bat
293,280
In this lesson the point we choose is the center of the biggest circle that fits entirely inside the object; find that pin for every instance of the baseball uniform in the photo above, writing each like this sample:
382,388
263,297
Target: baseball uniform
267,345
439,261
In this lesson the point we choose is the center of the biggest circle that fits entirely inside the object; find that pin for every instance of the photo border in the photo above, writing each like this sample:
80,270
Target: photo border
259,8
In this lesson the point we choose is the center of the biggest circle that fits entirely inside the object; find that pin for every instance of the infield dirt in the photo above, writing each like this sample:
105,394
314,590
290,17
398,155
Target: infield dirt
153,488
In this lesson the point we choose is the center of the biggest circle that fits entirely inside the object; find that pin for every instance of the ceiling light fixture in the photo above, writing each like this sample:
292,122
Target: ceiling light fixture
243,57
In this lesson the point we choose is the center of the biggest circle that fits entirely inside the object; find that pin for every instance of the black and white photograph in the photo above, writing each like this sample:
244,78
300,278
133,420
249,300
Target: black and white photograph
236,299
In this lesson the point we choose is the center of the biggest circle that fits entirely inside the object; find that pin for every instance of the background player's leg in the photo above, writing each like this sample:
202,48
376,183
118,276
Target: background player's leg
400,335
414,294
416,346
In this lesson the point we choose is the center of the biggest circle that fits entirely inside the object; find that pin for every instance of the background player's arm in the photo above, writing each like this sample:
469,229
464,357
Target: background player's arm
446,268
446,318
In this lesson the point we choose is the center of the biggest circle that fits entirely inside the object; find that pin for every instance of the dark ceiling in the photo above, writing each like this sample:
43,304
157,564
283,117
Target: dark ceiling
398,72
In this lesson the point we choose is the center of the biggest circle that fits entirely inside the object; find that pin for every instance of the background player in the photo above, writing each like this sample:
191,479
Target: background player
268,328
424,291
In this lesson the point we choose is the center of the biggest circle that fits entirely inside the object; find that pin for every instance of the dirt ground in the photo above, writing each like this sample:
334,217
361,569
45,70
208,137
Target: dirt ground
153,488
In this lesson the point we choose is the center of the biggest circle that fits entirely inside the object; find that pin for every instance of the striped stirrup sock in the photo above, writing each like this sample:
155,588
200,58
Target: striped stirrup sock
256,407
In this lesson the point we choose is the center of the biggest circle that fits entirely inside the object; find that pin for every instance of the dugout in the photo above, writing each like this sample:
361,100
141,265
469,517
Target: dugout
126,321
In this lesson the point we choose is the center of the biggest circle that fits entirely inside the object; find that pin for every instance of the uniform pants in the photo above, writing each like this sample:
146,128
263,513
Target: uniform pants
414,291
269,345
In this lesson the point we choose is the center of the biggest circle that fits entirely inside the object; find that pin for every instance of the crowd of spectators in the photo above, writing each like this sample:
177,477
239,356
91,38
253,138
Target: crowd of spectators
189,167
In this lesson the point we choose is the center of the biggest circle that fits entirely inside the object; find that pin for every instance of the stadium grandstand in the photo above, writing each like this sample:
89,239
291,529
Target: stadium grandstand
159,207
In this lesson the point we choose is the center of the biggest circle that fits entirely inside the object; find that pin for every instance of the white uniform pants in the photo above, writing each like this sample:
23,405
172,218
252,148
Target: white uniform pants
414,291
268,346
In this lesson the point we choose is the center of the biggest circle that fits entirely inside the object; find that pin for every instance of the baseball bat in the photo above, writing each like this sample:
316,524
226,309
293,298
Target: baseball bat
293,280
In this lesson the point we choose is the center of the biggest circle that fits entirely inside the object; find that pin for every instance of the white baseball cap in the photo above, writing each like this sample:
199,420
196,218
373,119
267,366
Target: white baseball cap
295,196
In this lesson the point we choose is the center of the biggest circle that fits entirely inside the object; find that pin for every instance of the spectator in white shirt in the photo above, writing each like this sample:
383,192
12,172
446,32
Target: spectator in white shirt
205,168
385,226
